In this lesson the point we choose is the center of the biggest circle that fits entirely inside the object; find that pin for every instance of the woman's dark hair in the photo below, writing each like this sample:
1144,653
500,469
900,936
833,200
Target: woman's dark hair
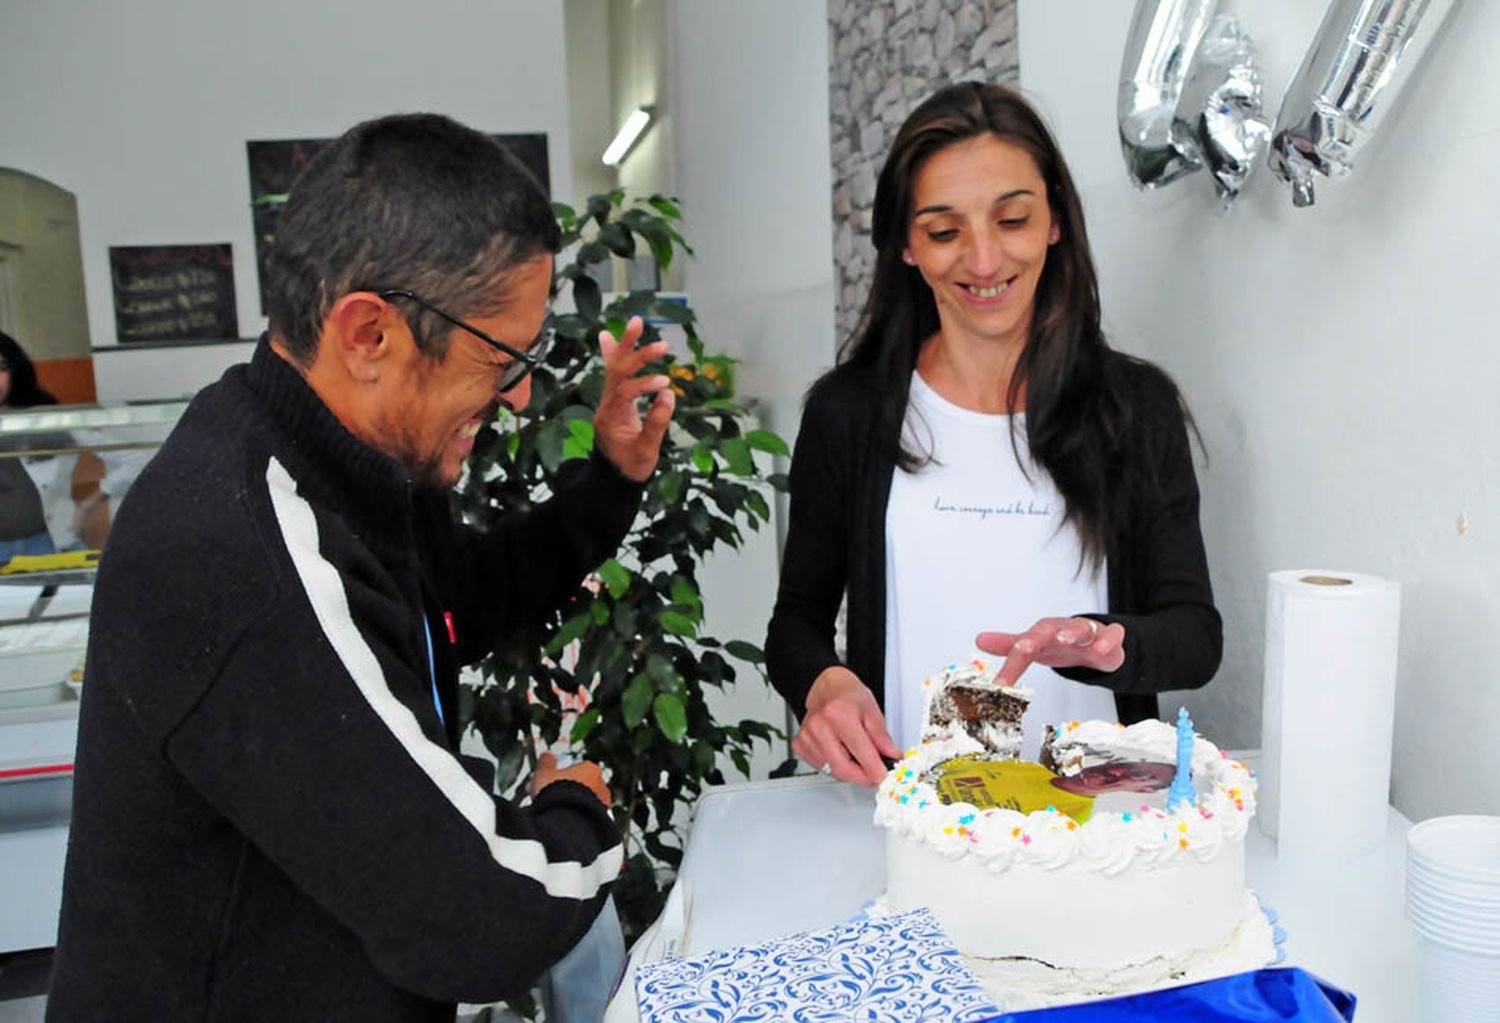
1075,415
411,201
24,390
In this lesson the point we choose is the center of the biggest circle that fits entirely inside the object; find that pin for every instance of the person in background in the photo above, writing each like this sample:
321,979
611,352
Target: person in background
23,520
18,383
981,459
270,818
61,500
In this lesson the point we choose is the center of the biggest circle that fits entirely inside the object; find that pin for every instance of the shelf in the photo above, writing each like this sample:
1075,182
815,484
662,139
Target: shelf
55,731
36,801
53,418
42,701
61,577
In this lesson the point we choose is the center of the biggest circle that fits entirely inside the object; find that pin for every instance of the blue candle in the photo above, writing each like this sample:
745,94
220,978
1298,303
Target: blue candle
1182,785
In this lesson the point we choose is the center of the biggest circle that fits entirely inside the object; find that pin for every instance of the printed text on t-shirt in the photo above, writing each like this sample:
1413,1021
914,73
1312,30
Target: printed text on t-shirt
984,511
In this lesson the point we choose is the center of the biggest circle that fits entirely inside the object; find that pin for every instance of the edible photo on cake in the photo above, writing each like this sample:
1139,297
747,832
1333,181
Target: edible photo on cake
1080,771
1102,779
1137,776
1116,771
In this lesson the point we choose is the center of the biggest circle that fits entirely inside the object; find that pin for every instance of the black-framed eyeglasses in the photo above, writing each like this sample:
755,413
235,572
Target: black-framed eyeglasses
522,362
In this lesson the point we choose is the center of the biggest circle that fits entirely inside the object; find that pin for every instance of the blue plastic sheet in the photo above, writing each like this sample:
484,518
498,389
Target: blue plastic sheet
1264,996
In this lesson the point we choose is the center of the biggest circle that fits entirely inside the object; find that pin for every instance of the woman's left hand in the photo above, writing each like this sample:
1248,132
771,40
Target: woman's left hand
1056,643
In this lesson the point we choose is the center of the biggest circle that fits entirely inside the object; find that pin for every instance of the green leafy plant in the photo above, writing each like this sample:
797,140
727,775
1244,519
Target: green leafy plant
625,666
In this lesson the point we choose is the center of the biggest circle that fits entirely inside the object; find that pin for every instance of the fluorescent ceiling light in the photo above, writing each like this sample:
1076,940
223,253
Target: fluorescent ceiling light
631,130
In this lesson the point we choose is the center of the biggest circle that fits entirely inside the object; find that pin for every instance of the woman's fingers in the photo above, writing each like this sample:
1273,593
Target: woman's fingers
866,767
1033,644
884,744
1022,653
834,738
1056,643
996,643
1109,647
826,749
844,730
818,745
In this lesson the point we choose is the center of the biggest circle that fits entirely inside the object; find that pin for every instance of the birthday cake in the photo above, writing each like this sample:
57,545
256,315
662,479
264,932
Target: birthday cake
1114,865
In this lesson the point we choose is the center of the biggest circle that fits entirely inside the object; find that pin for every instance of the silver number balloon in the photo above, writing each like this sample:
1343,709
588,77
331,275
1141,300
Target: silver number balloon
1158,49
1354,70
1219,120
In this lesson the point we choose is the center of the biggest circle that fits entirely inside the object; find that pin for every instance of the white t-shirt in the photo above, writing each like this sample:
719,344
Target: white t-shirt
972,545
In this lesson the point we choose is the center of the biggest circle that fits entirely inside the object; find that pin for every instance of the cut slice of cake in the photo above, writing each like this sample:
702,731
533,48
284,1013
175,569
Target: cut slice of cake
967,698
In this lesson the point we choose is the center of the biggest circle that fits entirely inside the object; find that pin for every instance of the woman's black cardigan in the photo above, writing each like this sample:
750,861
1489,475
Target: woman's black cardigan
840,481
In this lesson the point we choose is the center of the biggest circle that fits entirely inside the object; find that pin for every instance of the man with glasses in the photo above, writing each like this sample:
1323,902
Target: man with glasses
271,819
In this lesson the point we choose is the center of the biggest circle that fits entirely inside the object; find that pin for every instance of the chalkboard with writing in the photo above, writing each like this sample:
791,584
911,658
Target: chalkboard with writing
173,292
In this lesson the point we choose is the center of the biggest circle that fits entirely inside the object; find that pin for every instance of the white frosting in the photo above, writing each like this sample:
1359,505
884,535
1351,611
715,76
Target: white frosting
1020,984
1119,891
1107,842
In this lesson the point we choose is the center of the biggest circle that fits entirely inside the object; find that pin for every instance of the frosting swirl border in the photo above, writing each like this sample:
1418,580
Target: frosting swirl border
1108,842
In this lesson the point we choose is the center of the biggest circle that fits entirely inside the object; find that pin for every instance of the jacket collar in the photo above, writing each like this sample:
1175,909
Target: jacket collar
371,489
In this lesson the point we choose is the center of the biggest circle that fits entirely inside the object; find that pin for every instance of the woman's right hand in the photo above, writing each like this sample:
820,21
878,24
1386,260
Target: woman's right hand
844,729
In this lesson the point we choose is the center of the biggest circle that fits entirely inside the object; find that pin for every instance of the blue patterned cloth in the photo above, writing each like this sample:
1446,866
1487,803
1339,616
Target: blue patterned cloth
895,969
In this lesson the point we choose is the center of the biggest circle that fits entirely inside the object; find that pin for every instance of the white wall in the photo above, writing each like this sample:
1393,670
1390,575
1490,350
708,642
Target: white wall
590,107
1341,361
750,100
749,107
143,109
640,65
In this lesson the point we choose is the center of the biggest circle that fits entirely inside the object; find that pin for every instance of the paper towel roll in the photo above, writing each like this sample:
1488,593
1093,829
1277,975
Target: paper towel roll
1328,710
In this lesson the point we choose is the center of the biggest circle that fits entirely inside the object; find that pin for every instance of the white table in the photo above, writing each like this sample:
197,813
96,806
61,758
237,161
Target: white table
767,859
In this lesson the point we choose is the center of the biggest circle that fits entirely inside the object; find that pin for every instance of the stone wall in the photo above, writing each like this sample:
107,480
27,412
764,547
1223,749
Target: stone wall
885,57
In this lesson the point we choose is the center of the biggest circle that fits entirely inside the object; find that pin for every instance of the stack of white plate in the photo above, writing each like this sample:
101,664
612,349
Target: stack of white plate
1453,900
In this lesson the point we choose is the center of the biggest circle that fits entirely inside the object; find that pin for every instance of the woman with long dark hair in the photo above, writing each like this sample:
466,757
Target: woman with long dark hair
23,523
980,458
18,383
